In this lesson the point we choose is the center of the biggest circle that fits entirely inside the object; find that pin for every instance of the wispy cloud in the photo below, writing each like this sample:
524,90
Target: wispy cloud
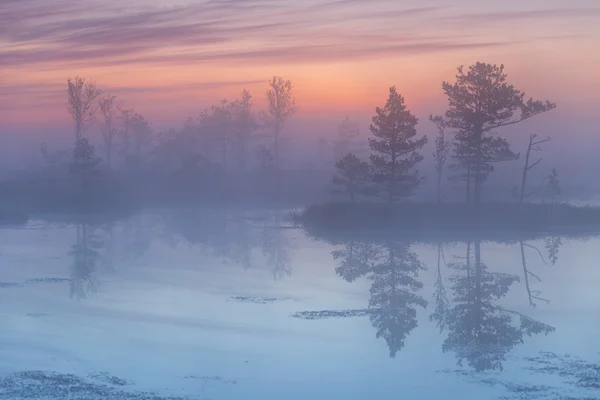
520,15
62,32
54,90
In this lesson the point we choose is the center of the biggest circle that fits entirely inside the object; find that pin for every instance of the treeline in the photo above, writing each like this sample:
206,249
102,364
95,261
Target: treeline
232,152
479,102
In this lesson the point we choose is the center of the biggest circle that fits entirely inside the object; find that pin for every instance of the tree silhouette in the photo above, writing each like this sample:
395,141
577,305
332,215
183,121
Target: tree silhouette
85,255
534,145
479,102
85,166
395,153
108,128
393,270
82,95
346,131
553,189
442,148
281,107
479,331
244,127
352,176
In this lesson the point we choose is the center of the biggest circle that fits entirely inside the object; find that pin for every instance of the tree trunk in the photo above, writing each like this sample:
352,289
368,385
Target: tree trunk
478,272
439,188
392,179
478,162
469,183
525,168
108,153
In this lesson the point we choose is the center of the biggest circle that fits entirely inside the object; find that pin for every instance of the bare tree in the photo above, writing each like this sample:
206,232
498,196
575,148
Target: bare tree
442,148
282,106
109,110
531,294
533,146
82,95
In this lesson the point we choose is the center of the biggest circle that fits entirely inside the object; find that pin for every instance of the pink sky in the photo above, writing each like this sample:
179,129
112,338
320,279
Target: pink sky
169,60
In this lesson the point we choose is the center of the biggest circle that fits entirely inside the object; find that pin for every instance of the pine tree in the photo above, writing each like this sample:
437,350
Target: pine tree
395,151
352,175
479,102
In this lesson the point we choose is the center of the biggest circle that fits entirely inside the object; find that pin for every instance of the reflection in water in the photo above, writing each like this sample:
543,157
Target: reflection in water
229,236
393,270
276,248
468,297
85,253
234,237
476,328
480,331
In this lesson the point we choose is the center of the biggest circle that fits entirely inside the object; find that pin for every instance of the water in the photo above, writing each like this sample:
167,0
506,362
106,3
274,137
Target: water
240,305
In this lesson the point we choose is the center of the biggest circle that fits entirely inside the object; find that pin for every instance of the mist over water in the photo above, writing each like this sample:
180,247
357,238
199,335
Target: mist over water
221,303
248,199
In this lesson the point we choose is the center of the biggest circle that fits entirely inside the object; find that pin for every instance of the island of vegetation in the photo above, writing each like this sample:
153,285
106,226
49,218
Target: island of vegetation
379,190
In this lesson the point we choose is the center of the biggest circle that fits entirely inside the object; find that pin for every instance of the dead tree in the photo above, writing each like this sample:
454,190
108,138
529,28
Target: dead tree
534,145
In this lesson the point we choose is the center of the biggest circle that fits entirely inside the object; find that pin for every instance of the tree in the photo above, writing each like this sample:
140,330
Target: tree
395,151
479,102
442,148
216,127
533,146
244,125
553,189
142,137
346,131
82,95
353,174
125,116
85,164
282,106
109,128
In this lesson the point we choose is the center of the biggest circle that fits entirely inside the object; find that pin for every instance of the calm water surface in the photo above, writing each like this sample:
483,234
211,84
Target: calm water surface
239,305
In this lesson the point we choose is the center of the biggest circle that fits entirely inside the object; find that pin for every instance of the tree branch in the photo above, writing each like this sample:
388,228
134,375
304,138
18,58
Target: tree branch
538,251
534,164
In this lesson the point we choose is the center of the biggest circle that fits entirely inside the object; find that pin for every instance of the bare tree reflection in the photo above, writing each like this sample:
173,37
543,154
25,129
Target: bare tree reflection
552,246
440,296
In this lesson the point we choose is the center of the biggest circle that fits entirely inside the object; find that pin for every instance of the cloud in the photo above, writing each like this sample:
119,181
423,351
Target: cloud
64,32
59,34
48,94
511,16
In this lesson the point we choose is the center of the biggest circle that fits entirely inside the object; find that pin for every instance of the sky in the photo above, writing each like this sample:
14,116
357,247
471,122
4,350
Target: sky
171,59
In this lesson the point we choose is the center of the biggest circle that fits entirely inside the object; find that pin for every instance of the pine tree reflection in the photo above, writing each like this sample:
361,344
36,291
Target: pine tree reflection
479,331
393,270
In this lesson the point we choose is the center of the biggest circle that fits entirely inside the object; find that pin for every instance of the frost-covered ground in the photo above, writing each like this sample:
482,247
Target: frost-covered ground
172,308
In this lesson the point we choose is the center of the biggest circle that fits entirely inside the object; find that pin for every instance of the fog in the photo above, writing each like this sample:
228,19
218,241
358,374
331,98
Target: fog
195,206
308,148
